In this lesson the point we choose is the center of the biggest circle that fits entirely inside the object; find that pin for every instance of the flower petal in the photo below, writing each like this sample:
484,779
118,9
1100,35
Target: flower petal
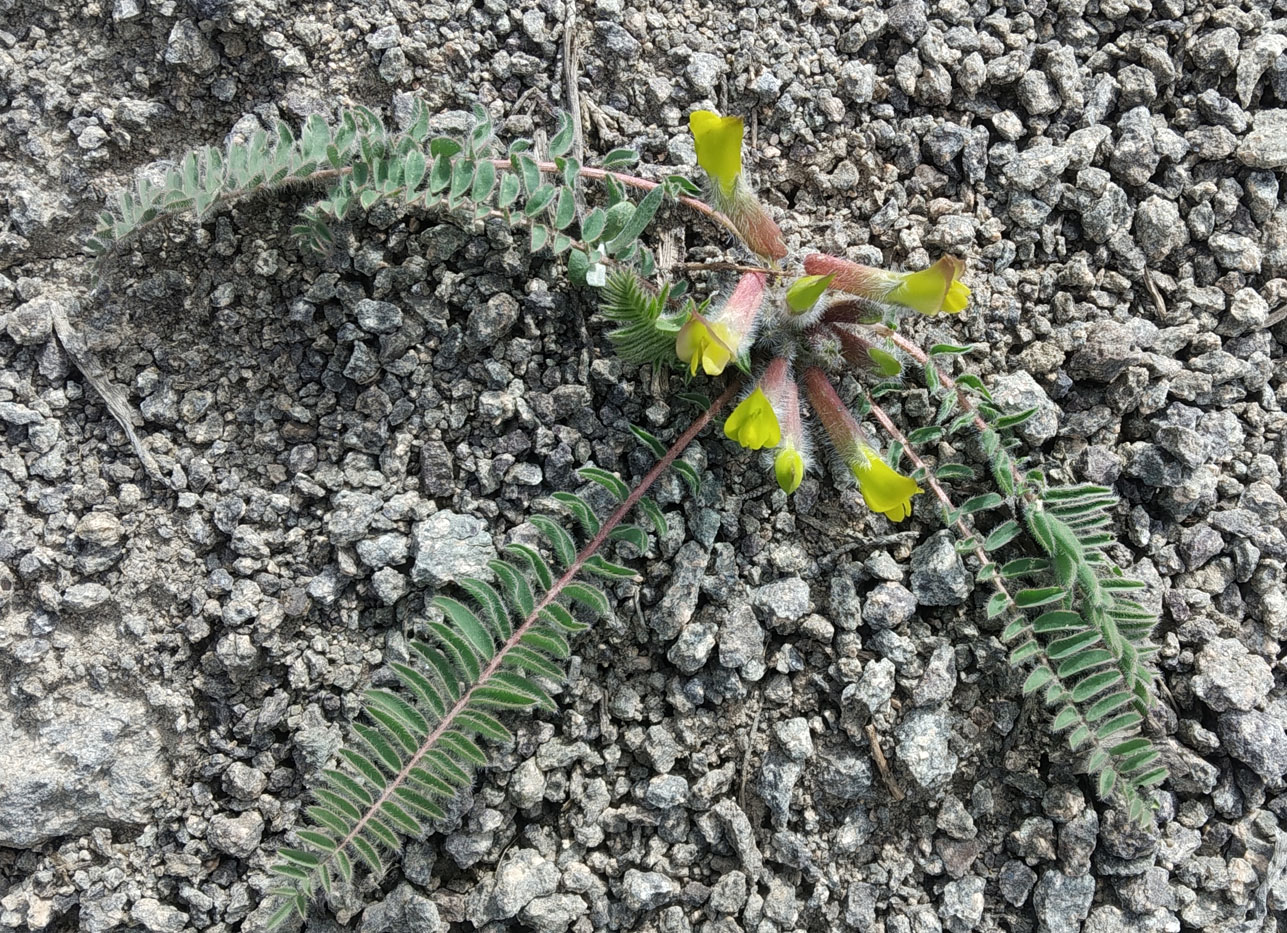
703,344
789,469
933,290
719,146
753,423
883,488
958,296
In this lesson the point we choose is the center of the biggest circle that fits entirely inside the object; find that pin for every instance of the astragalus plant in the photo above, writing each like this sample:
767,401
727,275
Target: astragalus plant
776,335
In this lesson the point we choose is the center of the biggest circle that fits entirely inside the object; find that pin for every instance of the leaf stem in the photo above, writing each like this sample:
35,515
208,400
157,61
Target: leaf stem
513,641
634,181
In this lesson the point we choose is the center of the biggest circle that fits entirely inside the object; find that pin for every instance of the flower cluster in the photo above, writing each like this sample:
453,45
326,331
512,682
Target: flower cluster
769,418
821,322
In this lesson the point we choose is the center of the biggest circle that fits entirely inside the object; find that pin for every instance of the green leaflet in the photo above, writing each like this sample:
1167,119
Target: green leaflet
580,509
639,219
562,543
645,331
607,480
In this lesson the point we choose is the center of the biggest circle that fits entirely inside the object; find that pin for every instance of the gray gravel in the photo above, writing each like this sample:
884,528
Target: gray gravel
333,440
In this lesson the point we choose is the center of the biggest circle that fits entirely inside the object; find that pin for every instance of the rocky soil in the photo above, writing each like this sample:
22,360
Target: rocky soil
182,640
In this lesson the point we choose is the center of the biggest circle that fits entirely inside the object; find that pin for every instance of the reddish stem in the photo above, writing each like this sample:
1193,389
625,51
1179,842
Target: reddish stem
585,554
635,181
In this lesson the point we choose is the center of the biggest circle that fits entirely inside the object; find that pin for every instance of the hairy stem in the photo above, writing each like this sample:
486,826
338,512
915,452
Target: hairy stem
634,181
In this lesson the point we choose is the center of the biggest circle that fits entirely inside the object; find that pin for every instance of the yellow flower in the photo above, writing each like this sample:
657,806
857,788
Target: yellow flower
719,146
805,291
883,488
934,289
958,296
753,423
789,467
705,344
711,342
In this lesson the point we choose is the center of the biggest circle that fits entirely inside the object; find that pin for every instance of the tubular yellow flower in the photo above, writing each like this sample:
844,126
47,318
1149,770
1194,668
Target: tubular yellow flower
883,489
934,289
753,423
719,147
705,344
929,291
789,469
712,342
718,141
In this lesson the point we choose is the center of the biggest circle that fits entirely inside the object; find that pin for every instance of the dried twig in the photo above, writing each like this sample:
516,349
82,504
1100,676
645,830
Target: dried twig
723,266
570,70
746,755
113,395
882,764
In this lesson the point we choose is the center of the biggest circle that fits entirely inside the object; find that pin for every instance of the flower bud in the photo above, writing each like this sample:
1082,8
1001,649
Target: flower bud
788,467
804,292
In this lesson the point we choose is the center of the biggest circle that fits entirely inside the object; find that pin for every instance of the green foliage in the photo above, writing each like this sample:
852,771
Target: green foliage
645,332
500,651
1069,617
1073,621
361,163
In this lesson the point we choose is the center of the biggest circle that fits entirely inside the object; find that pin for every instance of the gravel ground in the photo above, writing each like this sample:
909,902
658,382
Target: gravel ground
331,438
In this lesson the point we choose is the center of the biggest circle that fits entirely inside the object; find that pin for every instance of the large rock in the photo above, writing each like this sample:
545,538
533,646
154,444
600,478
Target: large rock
448,547
1159,228
1231,678
938,576
31,323
238,836
1037,166
1258,741
1266,145
403,911
1017,392
962,905
100,760
523,877
648,890
923,748
1063,902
